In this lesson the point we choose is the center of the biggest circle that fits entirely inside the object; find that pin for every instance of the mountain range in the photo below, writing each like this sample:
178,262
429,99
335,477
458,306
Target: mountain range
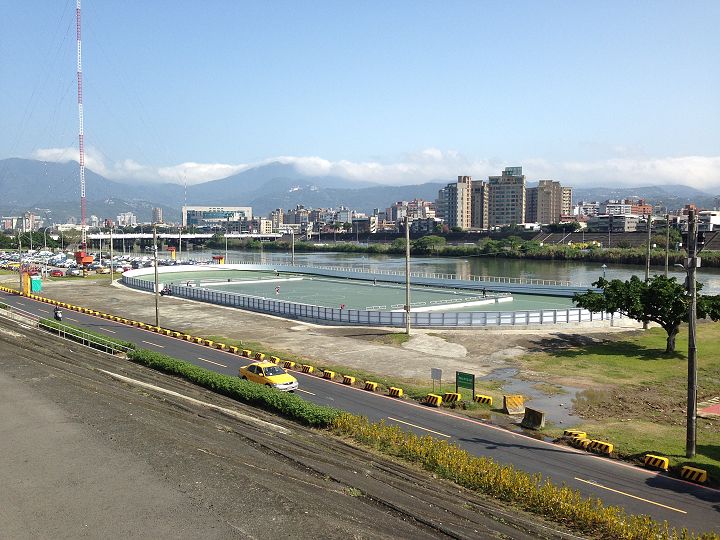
52,189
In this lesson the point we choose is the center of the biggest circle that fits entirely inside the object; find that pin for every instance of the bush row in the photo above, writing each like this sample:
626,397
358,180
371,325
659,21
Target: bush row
80,334
503,482
287,404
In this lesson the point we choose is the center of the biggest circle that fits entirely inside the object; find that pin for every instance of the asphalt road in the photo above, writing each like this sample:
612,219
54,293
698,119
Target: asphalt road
637,490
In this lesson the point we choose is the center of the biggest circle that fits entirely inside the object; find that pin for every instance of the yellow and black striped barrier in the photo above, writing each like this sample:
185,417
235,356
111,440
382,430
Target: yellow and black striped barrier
580,442
395,392
575,433
274,359
433,399
600,446
327,374
693,474
259,356
371,386
287,364
307,368
232,349
348,380
479,398
208,342
658,462
451,396
246,352
219,345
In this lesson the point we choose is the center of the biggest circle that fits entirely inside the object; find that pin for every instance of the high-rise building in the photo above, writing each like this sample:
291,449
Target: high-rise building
506,194
547,202
157,215
454,203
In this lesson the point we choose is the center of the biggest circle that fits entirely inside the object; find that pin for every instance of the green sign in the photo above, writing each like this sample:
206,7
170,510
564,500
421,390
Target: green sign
465,380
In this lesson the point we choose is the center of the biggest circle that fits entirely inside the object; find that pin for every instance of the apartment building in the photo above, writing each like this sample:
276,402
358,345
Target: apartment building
547,202
506,193
454,203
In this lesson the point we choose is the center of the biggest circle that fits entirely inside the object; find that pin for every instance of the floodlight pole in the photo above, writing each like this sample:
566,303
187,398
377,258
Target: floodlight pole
667,242
691,266
20,263
646,324
407,275
157,292
112,266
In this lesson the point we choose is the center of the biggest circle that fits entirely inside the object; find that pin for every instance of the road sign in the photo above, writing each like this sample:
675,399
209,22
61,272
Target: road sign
436,374
464,380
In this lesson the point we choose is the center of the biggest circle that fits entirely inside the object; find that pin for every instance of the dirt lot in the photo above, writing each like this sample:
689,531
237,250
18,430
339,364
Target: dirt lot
88,455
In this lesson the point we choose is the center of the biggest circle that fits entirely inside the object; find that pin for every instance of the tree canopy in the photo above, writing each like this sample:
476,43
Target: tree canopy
661,300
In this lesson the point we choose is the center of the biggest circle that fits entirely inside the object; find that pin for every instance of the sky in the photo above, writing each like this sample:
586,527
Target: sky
586,93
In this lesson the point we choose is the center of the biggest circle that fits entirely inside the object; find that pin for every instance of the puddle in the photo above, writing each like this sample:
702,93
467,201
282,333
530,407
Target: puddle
557,402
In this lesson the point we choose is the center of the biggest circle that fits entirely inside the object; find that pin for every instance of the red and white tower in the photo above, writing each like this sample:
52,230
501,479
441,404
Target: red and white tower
83,224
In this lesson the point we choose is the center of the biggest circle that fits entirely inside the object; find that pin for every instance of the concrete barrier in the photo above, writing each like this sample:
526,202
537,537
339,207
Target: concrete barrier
657,462
533,419
246,352
259,356
451,396
307,368
219,345
395,392
513,405
371,386
287,364
580,442
275,359
693,474
327,374
479,398
348,380
433,400
575,433
600,446
232,349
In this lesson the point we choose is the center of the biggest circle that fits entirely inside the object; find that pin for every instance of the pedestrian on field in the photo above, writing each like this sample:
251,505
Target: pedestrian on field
277,289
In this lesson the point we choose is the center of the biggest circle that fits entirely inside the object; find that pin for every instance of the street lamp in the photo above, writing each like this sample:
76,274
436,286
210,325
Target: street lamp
604,266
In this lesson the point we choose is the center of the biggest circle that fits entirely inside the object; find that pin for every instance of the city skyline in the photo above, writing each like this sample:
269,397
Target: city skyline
390,93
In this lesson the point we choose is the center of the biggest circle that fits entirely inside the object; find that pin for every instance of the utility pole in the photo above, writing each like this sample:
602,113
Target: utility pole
407,275
691,264
646,324
292,261
157,292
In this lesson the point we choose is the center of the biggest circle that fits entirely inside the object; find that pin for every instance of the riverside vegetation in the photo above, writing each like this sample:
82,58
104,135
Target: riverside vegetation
530,492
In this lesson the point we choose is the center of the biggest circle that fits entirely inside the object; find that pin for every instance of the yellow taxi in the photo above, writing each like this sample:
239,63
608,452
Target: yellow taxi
269,374
102,270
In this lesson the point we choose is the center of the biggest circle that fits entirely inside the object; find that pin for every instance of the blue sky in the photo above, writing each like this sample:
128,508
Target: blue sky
587,93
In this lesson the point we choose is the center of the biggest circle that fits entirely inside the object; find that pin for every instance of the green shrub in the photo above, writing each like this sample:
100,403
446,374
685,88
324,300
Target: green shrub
290,405
76,333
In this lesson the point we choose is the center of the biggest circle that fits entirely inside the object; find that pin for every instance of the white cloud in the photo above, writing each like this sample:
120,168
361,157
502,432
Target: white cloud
417,167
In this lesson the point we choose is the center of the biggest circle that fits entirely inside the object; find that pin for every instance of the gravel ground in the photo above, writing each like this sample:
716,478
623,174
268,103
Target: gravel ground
87,454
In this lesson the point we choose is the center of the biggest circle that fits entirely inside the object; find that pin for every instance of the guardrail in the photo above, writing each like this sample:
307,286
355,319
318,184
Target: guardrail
64,331
297,310
368,270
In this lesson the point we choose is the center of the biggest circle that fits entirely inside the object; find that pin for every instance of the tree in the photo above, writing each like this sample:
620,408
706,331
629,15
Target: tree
661,300
426,244
456,229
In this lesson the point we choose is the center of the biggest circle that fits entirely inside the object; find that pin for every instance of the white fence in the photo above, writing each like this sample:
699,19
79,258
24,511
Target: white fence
313,313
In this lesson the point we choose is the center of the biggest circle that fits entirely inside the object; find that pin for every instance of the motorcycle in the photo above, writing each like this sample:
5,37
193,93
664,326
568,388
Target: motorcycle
166,292
58,315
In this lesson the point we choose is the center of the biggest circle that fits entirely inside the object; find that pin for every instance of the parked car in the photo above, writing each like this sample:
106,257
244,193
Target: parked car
72,272
56,273
269,374
102,270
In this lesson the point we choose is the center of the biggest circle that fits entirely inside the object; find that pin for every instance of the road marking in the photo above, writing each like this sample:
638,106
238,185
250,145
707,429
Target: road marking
45,310
628,495
211,362
418,427
73,319
154,344
304,391
111,331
